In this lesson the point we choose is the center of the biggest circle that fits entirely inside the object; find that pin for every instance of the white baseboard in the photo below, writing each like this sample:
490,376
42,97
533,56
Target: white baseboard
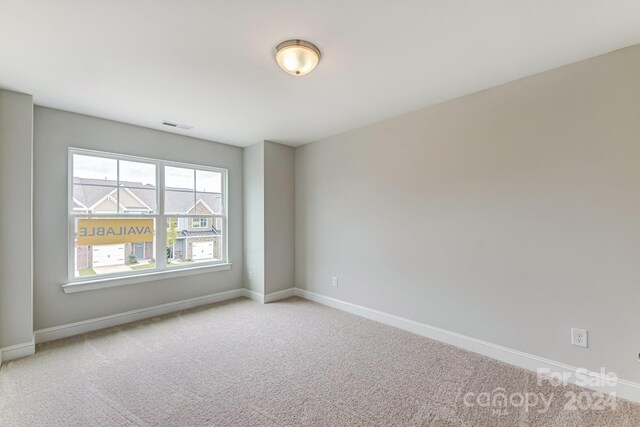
77,328
256,296
17,351
272,297
276,296
625,389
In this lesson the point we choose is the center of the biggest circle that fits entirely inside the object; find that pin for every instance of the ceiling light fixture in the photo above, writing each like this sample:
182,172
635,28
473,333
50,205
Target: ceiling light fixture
297,57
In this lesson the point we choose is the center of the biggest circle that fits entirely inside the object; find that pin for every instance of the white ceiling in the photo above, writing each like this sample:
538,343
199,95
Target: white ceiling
209,64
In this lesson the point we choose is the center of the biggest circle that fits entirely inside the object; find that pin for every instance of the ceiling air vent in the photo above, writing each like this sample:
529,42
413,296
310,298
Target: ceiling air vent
176,125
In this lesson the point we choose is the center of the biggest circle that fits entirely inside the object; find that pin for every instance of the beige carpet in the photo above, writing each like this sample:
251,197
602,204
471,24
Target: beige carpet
287,363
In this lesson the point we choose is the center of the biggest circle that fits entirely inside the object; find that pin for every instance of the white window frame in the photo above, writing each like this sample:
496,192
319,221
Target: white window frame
137,276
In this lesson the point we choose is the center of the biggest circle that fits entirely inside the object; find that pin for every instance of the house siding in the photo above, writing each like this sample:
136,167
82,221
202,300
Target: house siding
84,257
128,250
148,250
178,249
106,206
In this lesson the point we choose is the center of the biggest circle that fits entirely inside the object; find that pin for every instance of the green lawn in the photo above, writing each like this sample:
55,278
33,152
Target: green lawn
86,272
143,266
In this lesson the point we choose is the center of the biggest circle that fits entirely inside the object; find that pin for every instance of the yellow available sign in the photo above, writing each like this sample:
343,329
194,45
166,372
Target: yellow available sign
108,231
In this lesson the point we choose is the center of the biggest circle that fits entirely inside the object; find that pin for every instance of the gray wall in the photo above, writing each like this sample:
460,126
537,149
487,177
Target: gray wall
55,131
509,215
16,277
279,216
254,217
269,217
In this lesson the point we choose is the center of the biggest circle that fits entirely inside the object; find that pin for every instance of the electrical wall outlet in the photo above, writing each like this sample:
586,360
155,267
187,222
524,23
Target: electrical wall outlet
334,281
579,337
250,274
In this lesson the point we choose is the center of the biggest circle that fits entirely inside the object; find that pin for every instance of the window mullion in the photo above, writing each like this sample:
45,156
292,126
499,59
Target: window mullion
195,193
118,186
161,228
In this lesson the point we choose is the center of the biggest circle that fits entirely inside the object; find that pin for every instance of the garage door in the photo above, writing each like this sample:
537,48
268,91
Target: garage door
202,250
104,255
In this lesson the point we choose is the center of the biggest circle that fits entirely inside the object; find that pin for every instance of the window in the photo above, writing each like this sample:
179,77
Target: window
200,222
130,215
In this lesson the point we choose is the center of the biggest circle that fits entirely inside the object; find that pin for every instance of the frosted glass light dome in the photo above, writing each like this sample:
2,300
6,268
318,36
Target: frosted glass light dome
297,57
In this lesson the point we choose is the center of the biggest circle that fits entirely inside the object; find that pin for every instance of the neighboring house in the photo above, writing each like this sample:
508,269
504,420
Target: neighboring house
196,238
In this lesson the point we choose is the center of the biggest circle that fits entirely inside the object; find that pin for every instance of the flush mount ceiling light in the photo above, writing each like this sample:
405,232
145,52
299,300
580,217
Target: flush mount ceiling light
297,57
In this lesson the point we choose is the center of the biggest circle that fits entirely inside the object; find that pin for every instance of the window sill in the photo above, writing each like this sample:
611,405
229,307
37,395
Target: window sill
110,282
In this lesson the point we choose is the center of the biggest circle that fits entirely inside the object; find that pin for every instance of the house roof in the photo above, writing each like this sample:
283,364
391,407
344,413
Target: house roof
207,233
78,205
89,192
182,202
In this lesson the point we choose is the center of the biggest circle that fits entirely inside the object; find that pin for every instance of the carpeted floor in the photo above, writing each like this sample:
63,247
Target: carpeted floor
288,363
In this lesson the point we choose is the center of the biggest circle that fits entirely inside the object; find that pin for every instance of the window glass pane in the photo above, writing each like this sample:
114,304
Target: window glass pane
95,180
219,231
188,245
113,245
208,203
136,200
179,202
137,174
207,181
178,178
95,168
89,198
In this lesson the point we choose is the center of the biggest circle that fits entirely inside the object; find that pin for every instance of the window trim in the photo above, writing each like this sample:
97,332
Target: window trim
160,217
